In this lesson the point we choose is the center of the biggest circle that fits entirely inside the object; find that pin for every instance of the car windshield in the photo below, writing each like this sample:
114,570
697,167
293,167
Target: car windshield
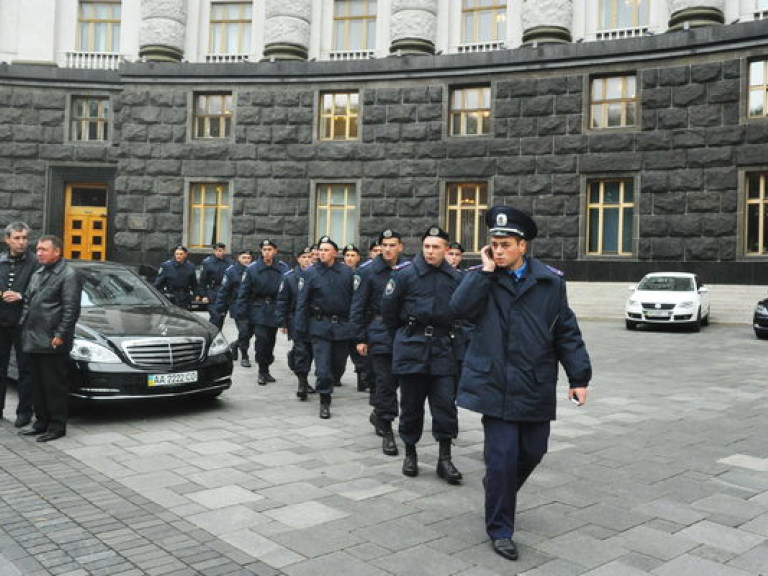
666,283
115,288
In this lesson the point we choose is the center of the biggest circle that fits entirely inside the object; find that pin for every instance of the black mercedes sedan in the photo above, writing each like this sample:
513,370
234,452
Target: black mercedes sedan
760,319
131,342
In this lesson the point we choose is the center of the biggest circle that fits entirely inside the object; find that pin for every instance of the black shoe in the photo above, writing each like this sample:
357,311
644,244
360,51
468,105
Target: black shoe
325,411
388,444
506,548
337,383
301,393
32,432
234,351
411,465
244,362
50,436
447,471
22,421
269,378
374,420
262,380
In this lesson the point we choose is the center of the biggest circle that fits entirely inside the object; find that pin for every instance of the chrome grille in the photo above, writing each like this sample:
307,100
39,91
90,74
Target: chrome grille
652,306
164,352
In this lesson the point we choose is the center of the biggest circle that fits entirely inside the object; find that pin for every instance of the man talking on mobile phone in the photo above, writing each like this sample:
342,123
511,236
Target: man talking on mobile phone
523,329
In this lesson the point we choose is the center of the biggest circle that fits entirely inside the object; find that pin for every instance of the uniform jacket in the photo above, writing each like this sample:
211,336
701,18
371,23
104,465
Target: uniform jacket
322,308
287,297
23,267
51,308
522,330
226,299
367,322
418,296
212,275
177,280
257,297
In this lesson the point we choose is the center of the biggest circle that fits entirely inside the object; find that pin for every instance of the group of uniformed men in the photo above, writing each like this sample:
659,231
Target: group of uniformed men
409,325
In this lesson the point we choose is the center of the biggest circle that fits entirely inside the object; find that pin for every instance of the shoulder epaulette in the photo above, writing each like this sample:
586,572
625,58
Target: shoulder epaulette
475,267
403,265
554,270
291,271
366,263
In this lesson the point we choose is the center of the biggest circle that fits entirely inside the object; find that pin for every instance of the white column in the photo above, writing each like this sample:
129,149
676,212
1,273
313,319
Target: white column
413,26
692,13
547,21
163,26
287,29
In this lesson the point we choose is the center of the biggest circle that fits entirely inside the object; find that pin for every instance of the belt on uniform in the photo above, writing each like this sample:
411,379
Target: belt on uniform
265,300
433,331
334,318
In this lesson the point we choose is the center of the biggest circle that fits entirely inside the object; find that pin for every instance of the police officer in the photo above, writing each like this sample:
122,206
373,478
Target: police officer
227,301
322,311
300,355
258,298
523,328
454,255
374,339
211,276
416,305
351,255
177,279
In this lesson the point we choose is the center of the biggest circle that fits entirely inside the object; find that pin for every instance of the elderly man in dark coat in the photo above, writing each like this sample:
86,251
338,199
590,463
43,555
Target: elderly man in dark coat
51,310
523,328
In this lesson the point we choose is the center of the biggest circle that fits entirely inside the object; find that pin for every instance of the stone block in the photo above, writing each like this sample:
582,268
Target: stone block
517,165
691,179
287,99
382,169
606,163
723,91
752,154
435,93
562,226
539,106
732,68
553,126
173,116
664,160
549,249
342,170
718,225
575,84
731,113
672,118
134,132
727,135
702,249
515,88
691,138
387,133
535,185
416,95
247,152
575,124
337,150
757,132
401,113
649,79
669,203
568,184
91,153
427,112
258,134
667,248
285,135
169,186
384,207
160,133
156,204
552,86
674,76
507,108
499,128
568,104
689,94
578,144
130,240
702,201
389,95
650,141
686,225
506,185
722,179
701,73
656,98
709,157
261,98
654,226
478,168
248,116
421,168
522,127
429,150
397,189
556,164
289,169
132,97
28,134
466,147
536,146
165,168
208,168
549,205
613,142
648,120
414,132
705,116
654,181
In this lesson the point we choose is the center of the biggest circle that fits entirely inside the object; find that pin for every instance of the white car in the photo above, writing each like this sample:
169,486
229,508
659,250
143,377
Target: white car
668,298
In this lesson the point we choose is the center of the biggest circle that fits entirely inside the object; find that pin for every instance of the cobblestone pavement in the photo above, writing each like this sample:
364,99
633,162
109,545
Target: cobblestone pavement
664,472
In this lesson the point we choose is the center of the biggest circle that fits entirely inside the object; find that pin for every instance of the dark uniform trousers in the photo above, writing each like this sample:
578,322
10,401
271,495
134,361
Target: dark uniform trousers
512,452
50,392
384,399
244,332
300,356
440,391
10,337
265,346
330,362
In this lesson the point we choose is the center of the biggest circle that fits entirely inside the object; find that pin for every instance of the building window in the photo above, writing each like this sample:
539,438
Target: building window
230,29
610,209
756,233
613,102
210,214
483,21
98,25
336,212
758,89
89,119
213,115
339,112
622,14
354,25
465,212
471,111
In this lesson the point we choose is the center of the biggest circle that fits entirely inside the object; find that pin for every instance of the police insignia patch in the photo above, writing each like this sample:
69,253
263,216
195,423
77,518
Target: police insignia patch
356,282
501,219
387,233
434,231
301,283
390,287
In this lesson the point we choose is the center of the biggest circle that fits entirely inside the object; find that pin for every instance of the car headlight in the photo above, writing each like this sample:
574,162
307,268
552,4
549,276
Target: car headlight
219,345
632,303
686,304
85,351
761,309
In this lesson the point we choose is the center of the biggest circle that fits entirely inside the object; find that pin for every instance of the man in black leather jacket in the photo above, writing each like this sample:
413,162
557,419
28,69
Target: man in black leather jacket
51,310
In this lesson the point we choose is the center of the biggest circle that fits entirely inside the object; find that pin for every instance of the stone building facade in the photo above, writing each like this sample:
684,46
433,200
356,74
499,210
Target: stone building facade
670,173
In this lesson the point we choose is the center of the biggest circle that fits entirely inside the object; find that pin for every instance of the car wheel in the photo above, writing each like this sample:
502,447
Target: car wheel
762,335
696,325
705,320
631,324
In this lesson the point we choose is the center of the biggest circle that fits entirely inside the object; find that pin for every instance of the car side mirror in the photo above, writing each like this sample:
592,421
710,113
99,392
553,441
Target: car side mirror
703,290
631,287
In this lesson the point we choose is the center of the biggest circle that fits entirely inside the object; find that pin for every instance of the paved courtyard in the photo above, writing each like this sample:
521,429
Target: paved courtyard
664,472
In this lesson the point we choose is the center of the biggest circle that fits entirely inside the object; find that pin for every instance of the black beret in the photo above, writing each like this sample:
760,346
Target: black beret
180,247
250,253
508,221
456,246
305,250
327,240
267,242
435,232
218,245
388,233
350,248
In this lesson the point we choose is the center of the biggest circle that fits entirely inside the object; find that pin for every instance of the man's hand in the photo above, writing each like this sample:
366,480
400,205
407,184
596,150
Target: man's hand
11,296
56,342
283,330
362,349
578,394
486,255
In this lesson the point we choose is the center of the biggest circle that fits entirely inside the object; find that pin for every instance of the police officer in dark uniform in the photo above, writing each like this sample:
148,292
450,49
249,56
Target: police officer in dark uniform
258,298
227,301
322,311
211,276
177,278
351,255
300,355
416,304
523,329
374,339
454,255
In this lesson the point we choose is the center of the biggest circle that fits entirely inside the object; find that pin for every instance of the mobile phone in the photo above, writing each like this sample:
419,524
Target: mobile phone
488,252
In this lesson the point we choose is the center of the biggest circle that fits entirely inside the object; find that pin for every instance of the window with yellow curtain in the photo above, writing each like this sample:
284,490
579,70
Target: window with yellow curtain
465,206
336,212
209,214
98,26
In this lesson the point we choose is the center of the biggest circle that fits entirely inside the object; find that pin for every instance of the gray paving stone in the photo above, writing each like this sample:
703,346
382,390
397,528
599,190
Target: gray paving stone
722,537
654,543
688,565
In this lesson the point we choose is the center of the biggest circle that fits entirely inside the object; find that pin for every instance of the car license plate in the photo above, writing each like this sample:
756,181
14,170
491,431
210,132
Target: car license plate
171,379
657,313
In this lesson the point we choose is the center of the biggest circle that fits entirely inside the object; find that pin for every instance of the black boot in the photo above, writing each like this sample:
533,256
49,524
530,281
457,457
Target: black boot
363,383
325,406
244,362
374,420
303,389
445,468
262,379
233,348
388,444
411,461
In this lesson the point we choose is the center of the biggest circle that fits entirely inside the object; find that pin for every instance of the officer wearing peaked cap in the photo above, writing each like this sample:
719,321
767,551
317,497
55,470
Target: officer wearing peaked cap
416,306
523,329
177,278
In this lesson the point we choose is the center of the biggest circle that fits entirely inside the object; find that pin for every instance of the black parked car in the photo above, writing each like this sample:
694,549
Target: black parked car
131,342
760,319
